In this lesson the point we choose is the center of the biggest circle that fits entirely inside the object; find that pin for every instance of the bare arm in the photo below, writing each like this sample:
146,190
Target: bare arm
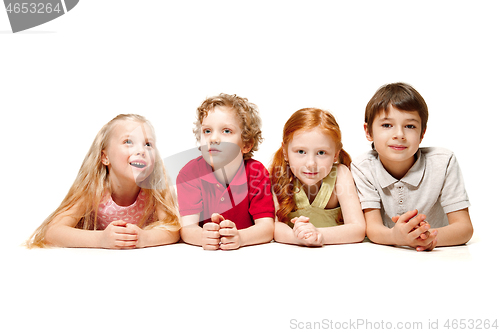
191,231
61,230
284,234
353,229
376,231
261,232
459,231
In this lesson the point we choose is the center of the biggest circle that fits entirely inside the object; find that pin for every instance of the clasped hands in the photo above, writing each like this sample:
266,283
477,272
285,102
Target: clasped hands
220,234
122,235
305,232
411,229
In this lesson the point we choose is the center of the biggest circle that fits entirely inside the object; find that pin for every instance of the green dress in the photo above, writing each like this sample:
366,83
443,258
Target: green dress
318,215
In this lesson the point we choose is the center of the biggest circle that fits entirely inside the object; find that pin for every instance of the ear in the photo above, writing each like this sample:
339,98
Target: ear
422,137
247,147
104,158
336,158
284,151
367,133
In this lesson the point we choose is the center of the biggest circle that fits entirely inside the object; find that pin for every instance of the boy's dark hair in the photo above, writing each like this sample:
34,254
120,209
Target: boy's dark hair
401,96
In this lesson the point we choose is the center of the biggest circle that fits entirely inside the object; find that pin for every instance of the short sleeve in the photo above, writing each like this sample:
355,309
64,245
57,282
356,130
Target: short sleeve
453,194
189,193
367,192
261,199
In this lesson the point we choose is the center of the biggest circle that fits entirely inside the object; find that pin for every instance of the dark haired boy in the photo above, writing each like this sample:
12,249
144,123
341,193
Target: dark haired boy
397,180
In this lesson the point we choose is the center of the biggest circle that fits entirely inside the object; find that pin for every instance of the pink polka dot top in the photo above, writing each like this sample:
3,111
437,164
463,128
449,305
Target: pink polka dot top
109,211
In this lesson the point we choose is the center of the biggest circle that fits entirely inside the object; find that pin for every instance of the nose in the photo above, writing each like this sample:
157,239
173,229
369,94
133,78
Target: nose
311,162
140,151
214,139
398,133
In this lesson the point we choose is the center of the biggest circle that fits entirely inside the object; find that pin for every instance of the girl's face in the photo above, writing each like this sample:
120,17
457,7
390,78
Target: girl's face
311,155
130,153
221,139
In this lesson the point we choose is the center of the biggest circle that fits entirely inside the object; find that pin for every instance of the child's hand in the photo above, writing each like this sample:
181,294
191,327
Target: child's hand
140,243
306,233
217,218
410,229
118,236
229,236
423,235
210,236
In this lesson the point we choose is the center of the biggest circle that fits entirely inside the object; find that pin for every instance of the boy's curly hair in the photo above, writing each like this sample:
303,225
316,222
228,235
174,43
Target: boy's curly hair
247,113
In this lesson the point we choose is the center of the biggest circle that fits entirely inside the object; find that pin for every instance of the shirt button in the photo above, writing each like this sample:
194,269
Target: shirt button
222,199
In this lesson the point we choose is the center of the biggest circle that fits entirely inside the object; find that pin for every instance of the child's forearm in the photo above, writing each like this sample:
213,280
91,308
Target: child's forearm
65,236
342,234
191,234
458,232
284,234
158,236
261,232
376,231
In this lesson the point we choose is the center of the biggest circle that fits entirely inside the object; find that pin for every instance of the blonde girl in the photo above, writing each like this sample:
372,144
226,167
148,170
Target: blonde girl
311,182
120,198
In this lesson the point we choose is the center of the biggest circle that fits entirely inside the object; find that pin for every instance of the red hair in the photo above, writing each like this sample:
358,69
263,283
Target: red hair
282,178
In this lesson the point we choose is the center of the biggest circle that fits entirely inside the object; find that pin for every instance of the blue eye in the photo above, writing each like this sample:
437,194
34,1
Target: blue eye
300,151
149,144
321,152
386,125
227,131
128,141
411,126
207,131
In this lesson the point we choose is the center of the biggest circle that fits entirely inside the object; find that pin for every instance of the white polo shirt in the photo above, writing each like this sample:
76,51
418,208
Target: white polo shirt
434,185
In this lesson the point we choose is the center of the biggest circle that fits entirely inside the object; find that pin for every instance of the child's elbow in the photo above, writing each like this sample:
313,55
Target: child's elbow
269,233
360,233
468,232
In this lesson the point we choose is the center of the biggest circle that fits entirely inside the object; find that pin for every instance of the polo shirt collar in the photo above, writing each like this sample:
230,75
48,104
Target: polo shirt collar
413,177
209,175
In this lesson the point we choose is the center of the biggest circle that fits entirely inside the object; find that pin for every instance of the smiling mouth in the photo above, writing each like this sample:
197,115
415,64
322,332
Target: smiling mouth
310,174
139,165
398,147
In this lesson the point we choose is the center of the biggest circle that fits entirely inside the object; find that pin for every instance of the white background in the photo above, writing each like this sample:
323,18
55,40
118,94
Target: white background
62,81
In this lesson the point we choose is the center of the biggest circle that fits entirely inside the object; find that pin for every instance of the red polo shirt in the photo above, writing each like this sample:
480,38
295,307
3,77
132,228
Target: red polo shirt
247,198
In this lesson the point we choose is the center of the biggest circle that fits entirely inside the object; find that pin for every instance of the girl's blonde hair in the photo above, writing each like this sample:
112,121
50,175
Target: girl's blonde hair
92,183
282,178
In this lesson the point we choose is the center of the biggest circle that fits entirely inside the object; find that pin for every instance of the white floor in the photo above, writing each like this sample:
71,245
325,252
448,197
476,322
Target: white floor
270,287
62,81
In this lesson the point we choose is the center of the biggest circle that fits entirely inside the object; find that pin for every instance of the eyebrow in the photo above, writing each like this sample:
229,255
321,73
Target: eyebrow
410,119
314,148
128,136
231,126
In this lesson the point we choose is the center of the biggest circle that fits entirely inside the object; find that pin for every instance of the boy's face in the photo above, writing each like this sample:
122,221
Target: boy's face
221,136
396,135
